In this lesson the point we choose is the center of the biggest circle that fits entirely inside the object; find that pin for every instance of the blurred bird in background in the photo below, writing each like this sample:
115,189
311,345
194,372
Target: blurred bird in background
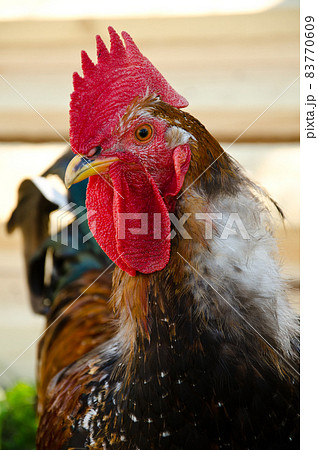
163,333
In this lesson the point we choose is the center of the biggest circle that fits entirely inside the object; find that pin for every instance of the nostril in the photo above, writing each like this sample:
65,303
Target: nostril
94,151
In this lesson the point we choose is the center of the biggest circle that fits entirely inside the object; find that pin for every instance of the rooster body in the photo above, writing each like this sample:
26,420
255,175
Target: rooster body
189,342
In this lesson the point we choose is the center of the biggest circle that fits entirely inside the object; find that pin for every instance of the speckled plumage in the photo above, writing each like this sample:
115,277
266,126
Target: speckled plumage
188,386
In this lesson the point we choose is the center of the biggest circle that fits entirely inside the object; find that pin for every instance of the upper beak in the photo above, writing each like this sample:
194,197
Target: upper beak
80,168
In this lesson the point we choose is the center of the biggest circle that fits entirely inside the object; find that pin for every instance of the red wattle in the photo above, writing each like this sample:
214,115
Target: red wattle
129,220
99,204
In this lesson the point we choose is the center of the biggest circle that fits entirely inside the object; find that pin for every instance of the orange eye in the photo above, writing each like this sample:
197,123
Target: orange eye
144,133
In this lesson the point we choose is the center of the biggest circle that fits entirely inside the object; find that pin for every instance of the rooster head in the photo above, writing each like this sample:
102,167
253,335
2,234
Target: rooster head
125,132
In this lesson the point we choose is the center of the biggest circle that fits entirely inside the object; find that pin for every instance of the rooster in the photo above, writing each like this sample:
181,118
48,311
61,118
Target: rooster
183,339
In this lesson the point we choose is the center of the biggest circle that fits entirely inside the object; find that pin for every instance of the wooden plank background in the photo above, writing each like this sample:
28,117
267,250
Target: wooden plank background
230,68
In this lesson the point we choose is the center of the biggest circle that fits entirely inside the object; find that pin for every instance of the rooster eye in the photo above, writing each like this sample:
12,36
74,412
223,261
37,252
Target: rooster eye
144,133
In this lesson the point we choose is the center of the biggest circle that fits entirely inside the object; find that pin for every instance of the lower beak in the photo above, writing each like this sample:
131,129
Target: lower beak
80,168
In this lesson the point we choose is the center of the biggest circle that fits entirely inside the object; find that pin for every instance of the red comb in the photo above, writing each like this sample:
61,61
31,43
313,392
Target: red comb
108,87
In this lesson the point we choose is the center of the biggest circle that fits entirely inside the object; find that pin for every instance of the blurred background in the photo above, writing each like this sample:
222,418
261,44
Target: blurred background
237,64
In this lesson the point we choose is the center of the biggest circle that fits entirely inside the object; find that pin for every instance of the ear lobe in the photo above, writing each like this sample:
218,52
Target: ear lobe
181,161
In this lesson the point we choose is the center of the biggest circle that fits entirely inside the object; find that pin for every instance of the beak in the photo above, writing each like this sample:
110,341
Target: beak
80,168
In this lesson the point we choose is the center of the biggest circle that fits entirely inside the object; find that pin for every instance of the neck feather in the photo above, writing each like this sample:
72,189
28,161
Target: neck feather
231,285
